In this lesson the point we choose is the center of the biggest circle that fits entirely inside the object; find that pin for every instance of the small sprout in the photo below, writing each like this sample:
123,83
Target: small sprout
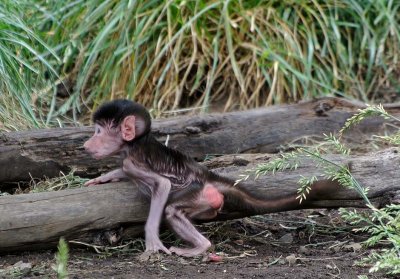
337,144
393,139
62,259
305,187
362,114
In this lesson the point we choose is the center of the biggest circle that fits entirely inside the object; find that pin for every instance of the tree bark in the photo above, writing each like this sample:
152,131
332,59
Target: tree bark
41,153
31,221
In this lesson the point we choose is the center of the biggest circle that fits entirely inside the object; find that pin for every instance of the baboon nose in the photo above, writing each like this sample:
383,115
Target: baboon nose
85,145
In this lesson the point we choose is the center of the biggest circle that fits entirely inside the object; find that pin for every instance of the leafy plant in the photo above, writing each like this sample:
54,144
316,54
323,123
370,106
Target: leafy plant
383,225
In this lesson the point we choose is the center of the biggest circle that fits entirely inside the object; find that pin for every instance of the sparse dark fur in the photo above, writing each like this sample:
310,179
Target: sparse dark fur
146,149
180,189
115,111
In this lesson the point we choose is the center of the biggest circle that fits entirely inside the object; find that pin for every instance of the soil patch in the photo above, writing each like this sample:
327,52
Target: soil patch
299,244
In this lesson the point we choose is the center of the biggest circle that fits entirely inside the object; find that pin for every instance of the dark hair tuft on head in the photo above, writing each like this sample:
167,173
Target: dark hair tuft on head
115,111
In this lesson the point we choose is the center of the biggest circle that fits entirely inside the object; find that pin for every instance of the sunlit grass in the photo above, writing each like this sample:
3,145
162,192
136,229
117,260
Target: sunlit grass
22,67
175,54
170,54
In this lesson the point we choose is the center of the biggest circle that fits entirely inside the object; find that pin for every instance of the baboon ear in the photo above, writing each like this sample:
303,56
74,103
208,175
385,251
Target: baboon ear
128,129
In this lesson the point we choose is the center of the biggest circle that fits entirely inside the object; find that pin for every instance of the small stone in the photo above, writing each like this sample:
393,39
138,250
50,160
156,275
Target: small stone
291,259
286,239
353,246
24,268
304,250
193,130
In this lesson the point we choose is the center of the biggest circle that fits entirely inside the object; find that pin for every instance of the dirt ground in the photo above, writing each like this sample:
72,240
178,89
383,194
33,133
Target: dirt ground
301,244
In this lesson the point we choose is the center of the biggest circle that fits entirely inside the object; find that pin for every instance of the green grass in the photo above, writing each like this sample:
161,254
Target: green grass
175,54
23,63
171,54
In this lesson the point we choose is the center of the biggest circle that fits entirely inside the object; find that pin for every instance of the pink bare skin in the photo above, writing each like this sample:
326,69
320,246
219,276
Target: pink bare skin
112,176
160,188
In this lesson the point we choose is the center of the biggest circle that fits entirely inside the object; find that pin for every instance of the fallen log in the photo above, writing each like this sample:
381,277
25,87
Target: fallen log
41,153
32,221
